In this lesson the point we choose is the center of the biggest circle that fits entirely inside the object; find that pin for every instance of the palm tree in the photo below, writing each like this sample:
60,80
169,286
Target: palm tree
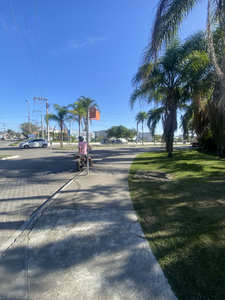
141,117
87,104
168,18
180,75
60,117
154,116
77,113
162,83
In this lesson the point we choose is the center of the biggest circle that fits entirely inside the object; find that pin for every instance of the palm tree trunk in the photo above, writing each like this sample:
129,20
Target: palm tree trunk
61,135
79,127
142,133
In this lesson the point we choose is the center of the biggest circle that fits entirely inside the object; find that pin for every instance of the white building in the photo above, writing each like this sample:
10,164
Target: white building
75,133
146,136
101,133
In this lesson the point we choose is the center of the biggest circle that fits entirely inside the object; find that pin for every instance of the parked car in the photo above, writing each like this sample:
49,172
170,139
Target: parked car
119,142
34,143
2,139
104,141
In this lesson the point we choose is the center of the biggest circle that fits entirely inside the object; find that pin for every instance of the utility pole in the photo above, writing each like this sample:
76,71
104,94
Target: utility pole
88,142
42,129
4,125
28,114
36,122
37,99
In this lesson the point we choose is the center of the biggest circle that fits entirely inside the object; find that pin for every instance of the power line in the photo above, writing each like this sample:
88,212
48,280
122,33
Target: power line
104,112
21,43
39,57
14,117
30,46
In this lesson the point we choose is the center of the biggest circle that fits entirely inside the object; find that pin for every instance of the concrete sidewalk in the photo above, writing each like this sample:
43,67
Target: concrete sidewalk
88,244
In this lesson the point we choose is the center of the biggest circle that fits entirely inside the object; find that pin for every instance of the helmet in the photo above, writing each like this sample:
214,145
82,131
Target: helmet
80,138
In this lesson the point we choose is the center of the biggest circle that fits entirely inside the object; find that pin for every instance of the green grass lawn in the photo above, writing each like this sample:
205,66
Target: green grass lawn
184,220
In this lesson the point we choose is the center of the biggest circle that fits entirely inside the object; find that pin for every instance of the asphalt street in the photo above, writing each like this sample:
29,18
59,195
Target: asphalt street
28,181
87,242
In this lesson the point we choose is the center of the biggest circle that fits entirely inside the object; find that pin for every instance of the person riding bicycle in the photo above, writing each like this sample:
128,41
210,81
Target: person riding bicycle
83,148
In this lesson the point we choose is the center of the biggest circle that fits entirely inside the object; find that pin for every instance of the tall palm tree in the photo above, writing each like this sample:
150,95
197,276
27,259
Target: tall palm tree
162,83
168,18
87,104
171,81
60,117
154,116
141,117
77,113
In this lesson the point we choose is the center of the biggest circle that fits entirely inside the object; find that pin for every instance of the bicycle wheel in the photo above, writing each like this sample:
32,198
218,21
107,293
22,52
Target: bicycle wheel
78,166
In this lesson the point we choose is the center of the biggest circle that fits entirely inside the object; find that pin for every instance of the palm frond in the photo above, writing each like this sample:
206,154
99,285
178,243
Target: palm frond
154,116
168,18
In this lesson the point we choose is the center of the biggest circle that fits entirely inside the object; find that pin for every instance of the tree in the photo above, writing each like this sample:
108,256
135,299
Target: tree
25,128
120,132
141,117
87,103
154,115
60,117
168,18
77,113
162,83
10,133
171,82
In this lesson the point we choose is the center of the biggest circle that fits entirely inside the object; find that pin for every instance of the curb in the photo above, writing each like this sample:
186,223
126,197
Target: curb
35,215
9,157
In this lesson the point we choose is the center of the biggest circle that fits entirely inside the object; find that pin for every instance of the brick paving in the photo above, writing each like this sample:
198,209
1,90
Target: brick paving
27,182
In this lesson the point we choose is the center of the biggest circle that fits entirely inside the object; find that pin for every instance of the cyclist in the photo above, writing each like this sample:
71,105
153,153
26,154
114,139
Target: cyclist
83,148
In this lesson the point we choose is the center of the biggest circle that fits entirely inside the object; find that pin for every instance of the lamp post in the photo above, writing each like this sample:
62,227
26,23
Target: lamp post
28,113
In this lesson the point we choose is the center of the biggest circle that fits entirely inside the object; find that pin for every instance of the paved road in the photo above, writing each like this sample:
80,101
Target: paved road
87,244
28,181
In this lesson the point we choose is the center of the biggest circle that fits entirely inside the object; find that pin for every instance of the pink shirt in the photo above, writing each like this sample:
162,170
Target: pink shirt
83,148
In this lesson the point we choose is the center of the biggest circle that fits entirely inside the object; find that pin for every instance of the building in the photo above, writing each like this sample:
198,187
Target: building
146,136
75,134
101,134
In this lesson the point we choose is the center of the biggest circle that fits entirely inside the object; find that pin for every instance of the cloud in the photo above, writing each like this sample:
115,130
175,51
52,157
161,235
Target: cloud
74,45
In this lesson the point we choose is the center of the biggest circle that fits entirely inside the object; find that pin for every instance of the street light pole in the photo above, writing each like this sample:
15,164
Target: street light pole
37,99
28,113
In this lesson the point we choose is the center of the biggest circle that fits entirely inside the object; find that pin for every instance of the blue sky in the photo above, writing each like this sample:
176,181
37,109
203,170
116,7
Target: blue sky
89,48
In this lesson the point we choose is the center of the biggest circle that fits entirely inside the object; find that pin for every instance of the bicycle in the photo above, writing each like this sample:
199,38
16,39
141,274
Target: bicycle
81,162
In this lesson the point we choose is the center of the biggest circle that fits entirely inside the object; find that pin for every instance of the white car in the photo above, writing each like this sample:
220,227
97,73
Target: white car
34,143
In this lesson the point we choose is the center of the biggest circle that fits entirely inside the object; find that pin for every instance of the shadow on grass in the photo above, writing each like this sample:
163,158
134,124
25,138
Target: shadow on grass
184,221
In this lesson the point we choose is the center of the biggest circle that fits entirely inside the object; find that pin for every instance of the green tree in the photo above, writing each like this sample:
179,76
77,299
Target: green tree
60,117
10,133
171,81
120,132
77,113
162,83
87,103
141,117
25,128
168,19
154,116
